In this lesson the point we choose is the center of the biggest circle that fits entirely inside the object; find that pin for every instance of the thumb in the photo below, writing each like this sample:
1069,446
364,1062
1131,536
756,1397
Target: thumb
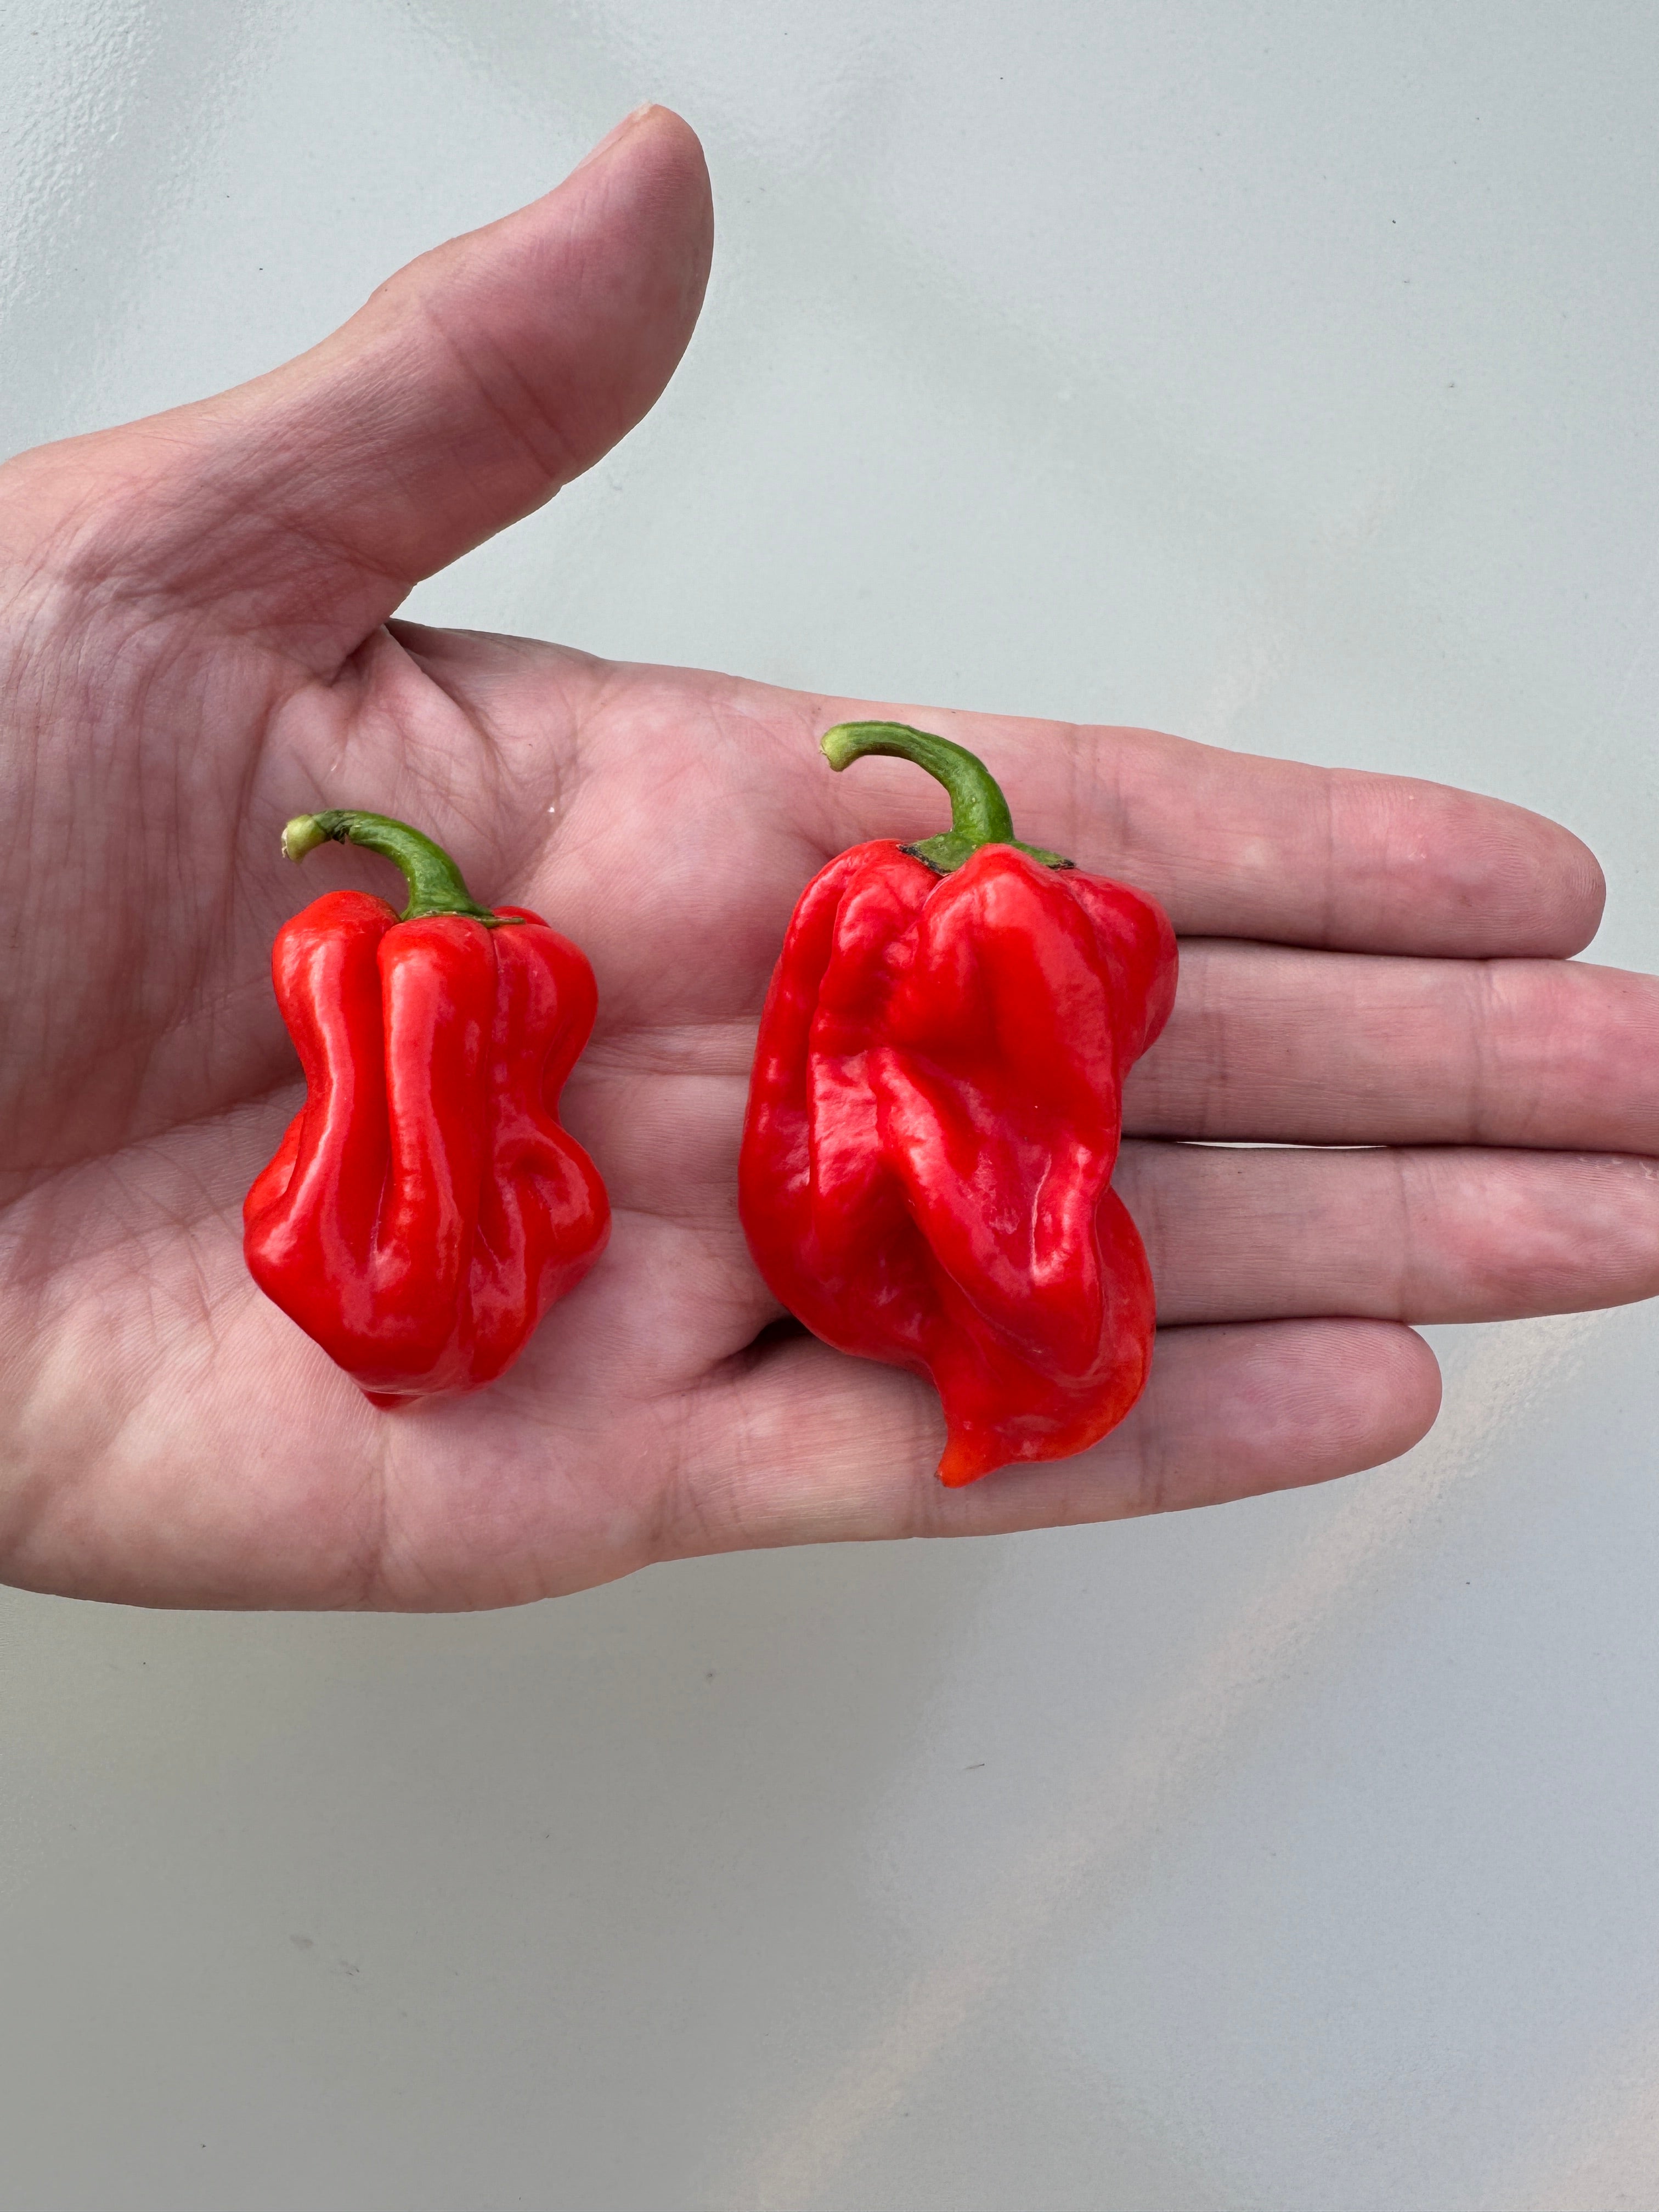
301,508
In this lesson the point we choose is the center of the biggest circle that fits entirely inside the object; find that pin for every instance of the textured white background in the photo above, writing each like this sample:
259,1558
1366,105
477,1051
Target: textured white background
1275,373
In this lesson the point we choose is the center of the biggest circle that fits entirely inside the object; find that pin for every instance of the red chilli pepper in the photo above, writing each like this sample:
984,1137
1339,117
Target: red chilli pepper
934,1118
425,1208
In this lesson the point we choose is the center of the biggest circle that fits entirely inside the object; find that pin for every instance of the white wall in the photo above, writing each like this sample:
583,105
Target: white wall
1279,374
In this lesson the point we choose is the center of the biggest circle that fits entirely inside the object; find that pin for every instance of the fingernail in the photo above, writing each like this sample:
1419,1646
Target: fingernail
610,136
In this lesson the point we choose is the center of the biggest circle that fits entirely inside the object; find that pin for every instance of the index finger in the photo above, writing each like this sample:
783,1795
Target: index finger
1237,845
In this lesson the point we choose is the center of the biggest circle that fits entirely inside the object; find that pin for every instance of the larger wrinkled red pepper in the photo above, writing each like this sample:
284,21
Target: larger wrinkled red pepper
425,1208
934,1118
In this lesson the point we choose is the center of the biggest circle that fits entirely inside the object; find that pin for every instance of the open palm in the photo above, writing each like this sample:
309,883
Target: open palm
195,644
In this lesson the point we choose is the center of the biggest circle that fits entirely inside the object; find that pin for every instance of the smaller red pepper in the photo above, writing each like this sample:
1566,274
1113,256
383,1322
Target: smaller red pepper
425,1208
934,1114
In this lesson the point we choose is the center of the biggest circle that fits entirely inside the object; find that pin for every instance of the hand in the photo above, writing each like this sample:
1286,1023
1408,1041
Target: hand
195,644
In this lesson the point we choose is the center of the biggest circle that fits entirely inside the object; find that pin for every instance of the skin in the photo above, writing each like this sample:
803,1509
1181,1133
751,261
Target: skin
196,643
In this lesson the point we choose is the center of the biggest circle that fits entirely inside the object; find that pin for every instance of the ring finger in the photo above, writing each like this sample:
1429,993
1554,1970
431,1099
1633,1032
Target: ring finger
1248,1233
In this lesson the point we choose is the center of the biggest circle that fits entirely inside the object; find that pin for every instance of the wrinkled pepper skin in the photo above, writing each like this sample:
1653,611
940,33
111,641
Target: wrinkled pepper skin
425,1208
932,1125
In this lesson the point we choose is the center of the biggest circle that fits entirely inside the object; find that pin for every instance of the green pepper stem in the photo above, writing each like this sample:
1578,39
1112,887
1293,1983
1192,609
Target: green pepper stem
435,884
979,812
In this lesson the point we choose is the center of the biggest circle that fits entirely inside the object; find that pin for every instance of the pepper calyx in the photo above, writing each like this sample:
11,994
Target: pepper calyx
979,812
436,885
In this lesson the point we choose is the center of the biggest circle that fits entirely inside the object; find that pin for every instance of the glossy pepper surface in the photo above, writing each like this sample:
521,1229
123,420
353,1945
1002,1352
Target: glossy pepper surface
934,1117
425,1208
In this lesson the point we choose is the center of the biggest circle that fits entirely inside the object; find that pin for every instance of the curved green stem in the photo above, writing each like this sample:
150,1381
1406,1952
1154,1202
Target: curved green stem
979,812
435,884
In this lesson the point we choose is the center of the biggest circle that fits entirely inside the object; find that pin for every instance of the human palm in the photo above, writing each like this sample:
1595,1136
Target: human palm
195,636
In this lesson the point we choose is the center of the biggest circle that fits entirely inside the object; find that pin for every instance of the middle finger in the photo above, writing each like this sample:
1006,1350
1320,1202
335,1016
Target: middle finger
1273,1044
